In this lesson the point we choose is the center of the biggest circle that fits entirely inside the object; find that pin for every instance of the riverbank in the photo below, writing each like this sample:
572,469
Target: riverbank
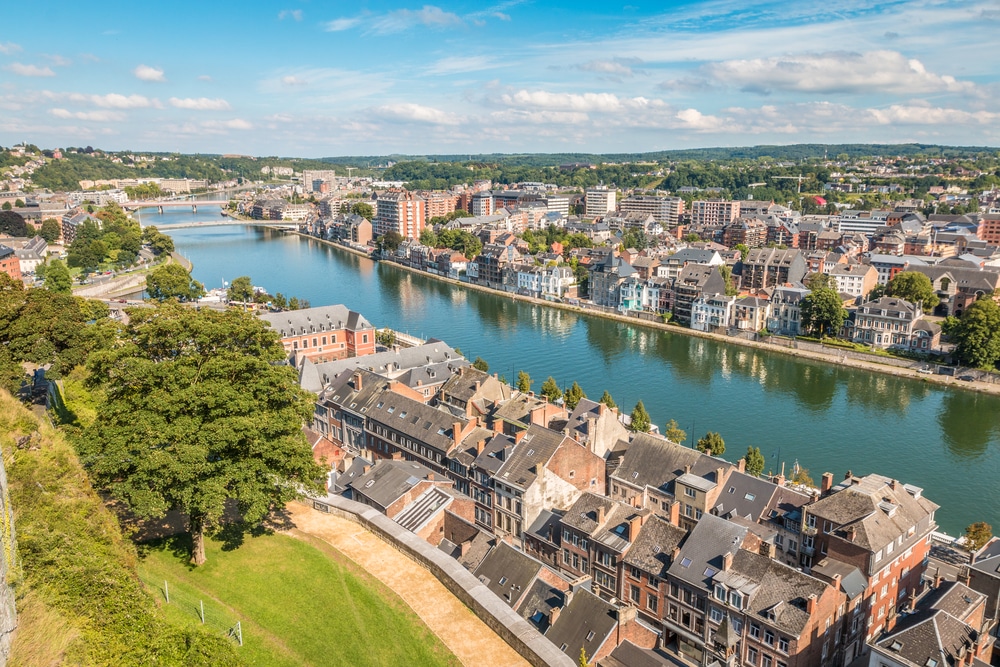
835,356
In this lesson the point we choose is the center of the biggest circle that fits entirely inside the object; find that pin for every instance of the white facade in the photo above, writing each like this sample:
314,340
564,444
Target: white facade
710,312
600,201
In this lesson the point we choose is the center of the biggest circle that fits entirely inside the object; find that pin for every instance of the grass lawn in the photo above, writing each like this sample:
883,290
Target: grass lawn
298,604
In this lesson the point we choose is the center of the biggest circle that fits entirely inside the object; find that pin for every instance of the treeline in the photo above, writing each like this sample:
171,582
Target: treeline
442,175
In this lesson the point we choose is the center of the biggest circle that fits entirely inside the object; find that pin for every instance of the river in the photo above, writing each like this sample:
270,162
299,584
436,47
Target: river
826,417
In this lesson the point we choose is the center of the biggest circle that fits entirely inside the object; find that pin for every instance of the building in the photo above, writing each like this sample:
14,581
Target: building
714,212
892,322
606,278
599,201
9,263
786,310
665,210
769,267
711,312
399,211
883,528
858,280
72,221
325,333
693,281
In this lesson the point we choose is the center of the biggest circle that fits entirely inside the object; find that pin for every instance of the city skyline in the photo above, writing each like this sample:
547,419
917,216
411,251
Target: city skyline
323,79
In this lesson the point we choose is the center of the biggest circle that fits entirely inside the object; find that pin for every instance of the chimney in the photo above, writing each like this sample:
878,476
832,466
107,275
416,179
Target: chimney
811,604
478,384
720,474
365,469
779,480
600,515
727,561
852,533
937,577
827,483
675,513
430,477
480,446
498,426
675,554
397,456
357,382
456,433
554,615
741,465
687,470
634,524
519,436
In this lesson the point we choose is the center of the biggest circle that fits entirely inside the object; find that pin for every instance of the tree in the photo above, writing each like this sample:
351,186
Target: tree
363,209
241,289
823,311
744,250
913,287
573,396
801,476
57,278
158,242
727,275
712,444
583,661
754,461
173,281
673,432
279,302
50,230
12,223
390,241
977,535
820,280
6,206
977,334
429,238
550,389
608,401
19,203
640,421
523,382
481,364
198,414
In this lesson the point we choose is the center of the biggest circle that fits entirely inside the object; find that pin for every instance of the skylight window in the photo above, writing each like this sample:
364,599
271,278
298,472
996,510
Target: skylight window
750,497
710,571
685,562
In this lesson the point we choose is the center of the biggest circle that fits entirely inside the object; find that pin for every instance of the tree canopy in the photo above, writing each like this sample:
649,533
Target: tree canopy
712,443
640,420
754,461
363,209
914,287
674,433
50,230
12,223
977,334
481,364
823,311
173,281
198,414
977,535
573,396
241,289
607,400
523,382
57,278
550,389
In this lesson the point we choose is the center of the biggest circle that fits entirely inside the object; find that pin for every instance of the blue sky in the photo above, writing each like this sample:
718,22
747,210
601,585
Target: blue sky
317,79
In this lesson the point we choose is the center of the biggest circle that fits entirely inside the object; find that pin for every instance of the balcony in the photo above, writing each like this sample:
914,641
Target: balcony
808,551
809,530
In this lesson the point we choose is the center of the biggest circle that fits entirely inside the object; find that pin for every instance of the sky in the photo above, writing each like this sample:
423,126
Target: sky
313,79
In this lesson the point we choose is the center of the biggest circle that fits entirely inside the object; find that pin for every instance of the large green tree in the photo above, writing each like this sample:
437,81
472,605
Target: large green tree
977,535
241,289
712,442
823,311
640,420
977,334
913,287
199,417
363,209
523,382
173,281
57,278
12,223
608,400
674,433
754,461
550,389
51,230
573,396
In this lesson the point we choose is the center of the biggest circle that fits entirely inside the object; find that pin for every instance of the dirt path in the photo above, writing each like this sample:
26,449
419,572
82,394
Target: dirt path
461,631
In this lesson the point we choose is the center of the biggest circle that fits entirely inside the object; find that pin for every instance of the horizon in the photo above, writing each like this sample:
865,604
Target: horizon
414,79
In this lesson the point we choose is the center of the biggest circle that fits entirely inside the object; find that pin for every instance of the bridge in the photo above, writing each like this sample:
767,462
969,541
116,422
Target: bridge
161,204
279,224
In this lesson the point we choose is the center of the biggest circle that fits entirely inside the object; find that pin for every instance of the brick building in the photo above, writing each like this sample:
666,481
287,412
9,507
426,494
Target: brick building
323,334
399,211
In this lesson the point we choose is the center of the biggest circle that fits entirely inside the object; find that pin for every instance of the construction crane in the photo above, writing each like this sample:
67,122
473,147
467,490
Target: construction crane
756,185
798,178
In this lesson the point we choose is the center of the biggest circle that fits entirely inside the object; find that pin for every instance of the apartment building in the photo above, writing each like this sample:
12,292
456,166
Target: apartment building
714,212
665,210
600,201
399,211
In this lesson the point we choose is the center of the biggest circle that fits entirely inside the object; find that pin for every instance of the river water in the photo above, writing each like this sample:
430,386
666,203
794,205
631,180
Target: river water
826,417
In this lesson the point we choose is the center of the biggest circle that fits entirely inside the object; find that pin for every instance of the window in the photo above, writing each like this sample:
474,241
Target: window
736,599
716,615
651,603
765,661
590,636
690,493
752,655
782,645
633,592
720,592
769,638
755,631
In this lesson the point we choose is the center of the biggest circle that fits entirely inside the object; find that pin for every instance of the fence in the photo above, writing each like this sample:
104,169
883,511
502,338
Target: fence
211,614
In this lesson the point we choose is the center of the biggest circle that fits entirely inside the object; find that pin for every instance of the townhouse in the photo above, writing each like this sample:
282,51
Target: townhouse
768,267
325,333
892,322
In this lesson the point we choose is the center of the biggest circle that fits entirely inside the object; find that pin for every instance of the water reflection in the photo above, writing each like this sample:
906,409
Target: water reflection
966,430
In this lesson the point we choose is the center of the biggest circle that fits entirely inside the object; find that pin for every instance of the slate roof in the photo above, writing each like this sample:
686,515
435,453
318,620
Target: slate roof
310,320
587,622
538,604
424,507
955,598
852,582
518,409
628,654
878,513
701,556
745,496
388,480
652,549
508,573
546,526
933,637
394,362
353,472
657,462
422,423
535,449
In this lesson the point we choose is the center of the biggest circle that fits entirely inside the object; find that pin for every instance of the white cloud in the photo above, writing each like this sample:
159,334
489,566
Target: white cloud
199,103
565,101
404,19
58,61
836,72
204,77
338,25
616,67
293,80
290,13
694,120
237,124
29,70
501,16
460,64
9,48
116,100
417,112
918,114
95,116
147,73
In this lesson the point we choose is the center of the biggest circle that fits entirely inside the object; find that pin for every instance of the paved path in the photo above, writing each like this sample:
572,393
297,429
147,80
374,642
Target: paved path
461,630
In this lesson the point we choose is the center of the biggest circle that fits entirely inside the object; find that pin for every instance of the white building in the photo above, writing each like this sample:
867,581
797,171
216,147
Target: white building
600,201
712,311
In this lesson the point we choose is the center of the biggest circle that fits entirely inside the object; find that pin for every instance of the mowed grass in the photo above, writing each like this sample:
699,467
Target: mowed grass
298,604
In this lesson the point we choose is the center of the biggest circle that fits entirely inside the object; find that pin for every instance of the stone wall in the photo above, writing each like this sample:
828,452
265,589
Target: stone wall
8,569
517,632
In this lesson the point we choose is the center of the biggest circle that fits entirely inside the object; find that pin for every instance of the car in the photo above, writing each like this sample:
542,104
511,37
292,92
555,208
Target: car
926,370
966,378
